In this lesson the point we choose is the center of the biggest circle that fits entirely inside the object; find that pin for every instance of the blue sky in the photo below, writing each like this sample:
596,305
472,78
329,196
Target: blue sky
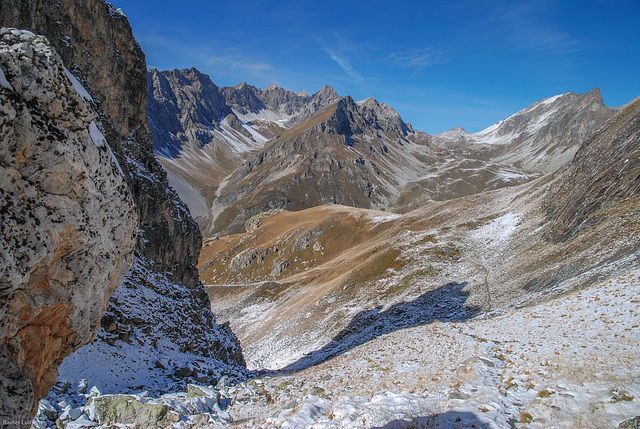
439,64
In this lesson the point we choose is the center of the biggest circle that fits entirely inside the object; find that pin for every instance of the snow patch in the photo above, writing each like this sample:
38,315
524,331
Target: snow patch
131,365
540,122
100,141
366,100
265,115
381,218
115,12
550,100
96,135
499,229
4,82
190,195
78,86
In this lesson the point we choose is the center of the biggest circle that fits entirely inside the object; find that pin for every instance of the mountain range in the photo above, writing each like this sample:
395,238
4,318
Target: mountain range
347,225
232,153
310,275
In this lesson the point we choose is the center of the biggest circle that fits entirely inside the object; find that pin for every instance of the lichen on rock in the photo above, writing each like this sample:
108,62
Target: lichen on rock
67,221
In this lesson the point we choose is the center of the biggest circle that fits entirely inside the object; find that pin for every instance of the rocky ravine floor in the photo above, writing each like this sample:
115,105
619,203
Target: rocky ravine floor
567,363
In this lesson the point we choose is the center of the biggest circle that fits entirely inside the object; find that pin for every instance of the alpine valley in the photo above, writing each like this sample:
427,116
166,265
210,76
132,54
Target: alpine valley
362,274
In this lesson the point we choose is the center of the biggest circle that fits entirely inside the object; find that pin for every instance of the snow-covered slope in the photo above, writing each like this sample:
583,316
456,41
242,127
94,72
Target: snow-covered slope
550,365
153,337
564,363
540,138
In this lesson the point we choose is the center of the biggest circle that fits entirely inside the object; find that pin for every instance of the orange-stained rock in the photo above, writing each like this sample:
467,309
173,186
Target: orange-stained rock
67,221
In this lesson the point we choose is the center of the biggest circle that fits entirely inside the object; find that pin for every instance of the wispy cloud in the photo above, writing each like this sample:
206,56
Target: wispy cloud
418,59
528,26
241,63
208,57
344,62
531,34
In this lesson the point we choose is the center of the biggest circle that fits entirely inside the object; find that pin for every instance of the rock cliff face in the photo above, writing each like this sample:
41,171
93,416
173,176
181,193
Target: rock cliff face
183,103
97,46
104,53
68,222
589,193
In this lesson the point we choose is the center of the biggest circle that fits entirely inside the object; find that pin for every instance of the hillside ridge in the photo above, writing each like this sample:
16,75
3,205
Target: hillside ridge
390,165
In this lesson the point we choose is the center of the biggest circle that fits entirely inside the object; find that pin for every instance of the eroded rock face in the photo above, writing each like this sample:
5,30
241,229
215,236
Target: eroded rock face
114,68
181,101
96,43
97,46
67,221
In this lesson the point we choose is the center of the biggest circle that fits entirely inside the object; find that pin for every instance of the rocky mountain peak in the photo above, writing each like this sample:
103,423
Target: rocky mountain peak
538,139
594,100
595,93
344,119
384,117
366,117
326,94
182,100
283,101
457,136
544,113
587,187
243,98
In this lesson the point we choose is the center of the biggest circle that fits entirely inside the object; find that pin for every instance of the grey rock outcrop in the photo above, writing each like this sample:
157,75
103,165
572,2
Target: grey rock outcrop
183,104
114,68
129,410
243,98
326,96
67,221
96,45
367,116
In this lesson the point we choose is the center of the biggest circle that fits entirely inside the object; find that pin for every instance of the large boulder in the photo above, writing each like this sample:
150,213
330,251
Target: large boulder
67,220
